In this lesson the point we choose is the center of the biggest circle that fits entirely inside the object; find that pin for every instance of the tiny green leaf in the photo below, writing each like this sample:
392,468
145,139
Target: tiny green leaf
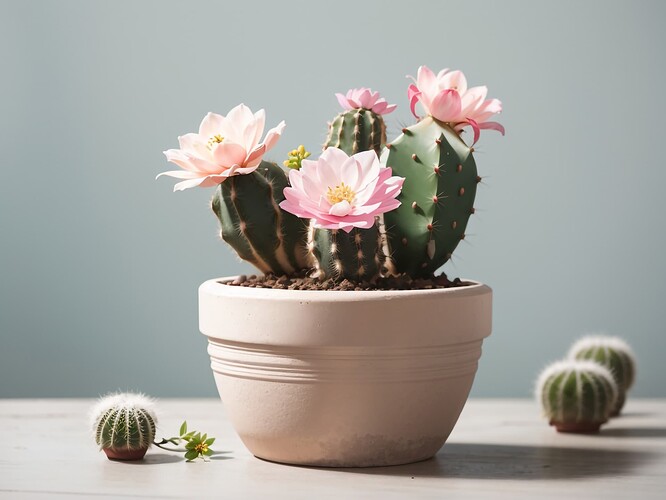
183,428
191,455
210,441
208,452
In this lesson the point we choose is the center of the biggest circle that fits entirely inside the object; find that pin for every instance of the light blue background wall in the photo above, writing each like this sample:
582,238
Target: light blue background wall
99,263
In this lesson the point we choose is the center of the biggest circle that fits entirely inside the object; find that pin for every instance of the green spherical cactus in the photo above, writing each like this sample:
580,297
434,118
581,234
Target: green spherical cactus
576,396
124,425
613,353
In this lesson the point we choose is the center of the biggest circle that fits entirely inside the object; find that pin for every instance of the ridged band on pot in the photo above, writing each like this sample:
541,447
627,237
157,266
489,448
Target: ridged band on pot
344,378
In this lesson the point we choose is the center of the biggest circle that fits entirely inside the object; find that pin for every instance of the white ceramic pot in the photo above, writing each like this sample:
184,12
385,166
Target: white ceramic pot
344,379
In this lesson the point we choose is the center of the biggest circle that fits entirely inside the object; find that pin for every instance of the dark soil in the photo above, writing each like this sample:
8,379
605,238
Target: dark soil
303,282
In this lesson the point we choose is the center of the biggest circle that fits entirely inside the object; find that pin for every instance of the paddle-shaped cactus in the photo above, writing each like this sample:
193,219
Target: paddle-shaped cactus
437,196
124,425
613,353
576,396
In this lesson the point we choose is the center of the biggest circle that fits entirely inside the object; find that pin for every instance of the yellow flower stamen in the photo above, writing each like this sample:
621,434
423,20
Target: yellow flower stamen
201,448
341,192
216,139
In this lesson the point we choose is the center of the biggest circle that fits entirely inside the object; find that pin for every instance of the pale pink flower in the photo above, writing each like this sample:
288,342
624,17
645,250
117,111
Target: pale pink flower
338,191
446,97
224,146
367,99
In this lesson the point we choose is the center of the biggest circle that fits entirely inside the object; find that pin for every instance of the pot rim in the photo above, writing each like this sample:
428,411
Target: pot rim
217,287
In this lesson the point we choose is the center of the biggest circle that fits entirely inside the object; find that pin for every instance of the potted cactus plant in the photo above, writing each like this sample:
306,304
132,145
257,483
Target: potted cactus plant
347,350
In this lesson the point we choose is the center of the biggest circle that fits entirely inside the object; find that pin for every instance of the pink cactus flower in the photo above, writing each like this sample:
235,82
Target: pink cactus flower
446,97
367,99
224,146
342,192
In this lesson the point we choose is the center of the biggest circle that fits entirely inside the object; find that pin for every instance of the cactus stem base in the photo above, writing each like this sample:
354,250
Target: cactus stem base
125,454
577,427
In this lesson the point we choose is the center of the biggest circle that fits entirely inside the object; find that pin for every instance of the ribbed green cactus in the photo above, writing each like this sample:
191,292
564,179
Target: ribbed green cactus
357,130
356,255
614,354
124,425
252,222
576,396
437,196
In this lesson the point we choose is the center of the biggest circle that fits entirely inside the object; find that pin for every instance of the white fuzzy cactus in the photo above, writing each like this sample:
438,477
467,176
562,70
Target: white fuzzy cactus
124,425
613,353
576,396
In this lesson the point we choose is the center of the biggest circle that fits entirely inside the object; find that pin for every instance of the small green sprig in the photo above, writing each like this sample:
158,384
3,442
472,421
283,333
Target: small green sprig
197,444
296,157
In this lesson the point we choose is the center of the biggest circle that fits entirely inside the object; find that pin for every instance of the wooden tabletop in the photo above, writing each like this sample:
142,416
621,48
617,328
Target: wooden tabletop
499,449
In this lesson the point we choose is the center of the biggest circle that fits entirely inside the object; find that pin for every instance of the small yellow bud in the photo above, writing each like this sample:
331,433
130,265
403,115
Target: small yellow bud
296,156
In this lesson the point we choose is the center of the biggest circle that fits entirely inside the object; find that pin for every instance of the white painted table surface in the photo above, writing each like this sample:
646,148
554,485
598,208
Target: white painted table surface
499,449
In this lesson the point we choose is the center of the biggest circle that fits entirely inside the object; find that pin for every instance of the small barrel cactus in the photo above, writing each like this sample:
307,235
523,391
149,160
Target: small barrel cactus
355,131
124,425
613,353
361,126
576,396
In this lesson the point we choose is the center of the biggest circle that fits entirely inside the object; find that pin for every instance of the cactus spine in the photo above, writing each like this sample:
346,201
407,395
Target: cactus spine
356,255
437,197
357,130
124,425
614,354
252,222
576,396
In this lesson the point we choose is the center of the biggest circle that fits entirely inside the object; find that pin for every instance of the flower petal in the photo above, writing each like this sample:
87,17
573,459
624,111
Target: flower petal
389,109
273,135
492,126
340,209
446,106
179,158
343,101
255,156
228,153
211,125
414,95
334,155
194,145
453,80
426,81
180,174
